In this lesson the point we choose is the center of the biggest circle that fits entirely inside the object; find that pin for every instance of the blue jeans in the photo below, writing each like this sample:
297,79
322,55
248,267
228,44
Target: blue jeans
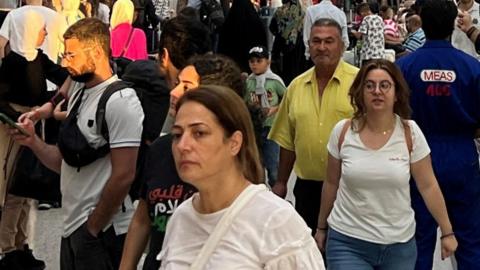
348,253
270,154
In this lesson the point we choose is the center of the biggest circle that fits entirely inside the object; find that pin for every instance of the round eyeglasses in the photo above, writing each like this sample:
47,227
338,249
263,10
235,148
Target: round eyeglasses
384,86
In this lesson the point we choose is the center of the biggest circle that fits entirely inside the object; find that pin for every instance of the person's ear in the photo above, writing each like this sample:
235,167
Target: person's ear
164,58
236,141
97,52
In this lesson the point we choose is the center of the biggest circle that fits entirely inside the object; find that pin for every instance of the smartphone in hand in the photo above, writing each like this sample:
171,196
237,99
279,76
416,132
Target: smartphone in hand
7,120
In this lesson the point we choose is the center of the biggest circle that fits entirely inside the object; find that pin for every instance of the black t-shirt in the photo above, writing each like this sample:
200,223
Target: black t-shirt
24,82
163,191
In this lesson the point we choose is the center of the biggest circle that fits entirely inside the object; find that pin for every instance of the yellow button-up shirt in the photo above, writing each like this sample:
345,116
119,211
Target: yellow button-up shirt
305,119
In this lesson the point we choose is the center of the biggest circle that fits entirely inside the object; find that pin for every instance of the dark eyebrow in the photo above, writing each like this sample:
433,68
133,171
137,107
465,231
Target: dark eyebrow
196,124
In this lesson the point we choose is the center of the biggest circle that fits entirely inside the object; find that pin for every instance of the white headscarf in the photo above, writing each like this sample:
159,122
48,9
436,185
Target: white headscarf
71,11
122,12
26,26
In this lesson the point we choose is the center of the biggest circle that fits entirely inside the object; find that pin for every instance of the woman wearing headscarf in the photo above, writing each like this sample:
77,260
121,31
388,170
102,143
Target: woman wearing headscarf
288,47
71,11
125,40
241,31
23,76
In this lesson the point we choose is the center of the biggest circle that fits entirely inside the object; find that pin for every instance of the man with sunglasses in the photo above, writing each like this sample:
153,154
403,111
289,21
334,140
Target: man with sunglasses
96,173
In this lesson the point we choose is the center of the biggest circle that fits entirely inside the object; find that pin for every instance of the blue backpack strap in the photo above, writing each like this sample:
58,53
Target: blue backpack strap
102,127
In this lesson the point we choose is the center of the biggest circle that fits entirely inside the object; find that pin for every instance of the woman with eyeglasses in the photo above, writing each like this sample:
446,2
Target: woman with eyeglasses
365,218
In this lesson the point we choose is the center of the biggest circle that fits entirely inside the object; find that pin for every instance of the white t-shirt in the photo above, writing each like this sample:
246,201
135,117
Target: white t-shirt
56,25
373,197
266,234
81,189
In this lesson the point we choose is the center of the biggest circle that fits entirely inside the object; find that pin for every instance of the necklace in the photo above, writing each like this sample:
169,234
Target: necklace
383,132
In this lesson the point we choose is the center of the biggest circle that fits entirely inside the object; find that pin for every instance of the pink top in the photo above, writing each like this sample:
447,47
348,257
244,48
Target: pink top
136,50
391,28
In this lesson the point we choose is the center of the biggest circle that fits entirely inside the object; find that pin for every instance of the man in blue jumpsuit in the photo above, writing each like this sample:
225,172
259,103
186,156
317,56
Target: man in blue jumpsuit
445,99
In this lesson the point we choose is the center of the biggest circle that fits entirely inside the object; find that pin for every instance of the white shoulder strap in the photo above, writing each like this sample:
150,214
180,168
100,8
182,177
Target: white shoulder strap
223,225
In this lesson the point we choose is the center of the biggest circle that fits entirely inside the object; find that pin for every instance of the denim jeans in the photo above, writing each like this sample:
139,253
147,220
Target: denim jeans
345,252
270,154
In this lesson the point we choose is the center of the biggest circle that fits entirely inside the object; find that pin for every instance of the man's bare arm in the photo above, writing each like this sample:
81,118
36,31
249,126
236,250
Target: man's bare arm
124,162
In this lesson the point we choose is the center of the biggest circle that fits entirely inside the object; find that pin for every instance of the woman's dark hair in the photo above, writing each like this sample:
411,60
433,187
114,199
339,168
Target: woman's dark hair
232,114
219,70
402,92
438,18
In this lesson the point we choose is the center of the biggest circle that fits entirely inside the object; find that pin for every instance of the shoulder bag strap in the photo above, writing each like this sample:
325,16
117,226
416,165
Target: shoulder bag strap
77,100
223,225
341,138
127,44
408,136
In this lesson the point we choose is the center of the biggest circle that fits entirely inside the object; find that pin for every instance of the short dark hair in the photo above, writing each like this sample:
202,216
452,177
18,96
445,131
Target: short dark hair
363,7
384,8
90,31
184,37
410,13
219,70
402,92
189,12
438,18
232,115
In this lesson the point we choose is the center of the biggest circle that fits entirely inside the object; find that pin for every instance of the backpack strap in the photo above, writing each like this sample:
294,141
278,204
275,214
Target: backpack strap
408,135
102,127
341,138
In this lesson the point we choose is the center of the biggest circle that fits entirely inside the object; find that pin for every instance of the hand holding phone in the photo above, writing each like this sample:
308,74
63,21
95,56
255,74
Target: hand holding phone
7,120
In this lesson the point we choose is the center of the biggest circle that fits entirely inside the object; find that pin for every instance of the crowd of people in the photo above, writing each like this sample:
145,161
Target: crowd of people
176,134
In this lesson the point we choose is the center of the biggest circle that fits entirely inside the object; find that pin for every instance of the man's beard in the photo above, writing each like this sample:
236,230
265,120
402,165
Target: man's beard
87,75
84,77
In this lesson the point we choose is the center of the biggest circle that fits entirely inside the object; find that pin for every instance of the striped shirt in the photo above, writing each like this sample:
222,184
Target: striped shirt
391,28
415,40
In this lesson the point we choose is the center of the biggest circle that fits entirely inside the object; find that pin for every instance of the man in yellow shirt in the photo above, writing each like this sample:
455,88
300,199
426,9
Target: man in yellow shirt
314,102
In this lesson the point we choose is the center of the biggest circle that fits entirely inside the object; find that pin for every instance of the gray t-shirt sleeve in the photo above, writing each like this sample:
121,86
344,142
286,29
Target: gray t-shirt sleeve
124,117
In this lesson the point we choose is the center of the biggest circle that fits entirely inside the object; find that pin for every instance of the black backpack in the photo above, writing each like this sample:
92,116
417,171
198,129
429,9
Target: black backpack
211,14
154,95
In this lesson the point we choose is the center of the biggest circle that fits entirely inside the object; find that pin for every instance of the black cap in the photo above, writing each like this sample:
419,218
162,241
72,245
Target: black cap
258,51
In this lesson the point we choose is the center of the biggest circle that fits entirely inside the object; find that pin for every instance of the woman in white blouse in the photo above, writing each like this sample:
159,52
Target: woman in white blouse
366,196
232,222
